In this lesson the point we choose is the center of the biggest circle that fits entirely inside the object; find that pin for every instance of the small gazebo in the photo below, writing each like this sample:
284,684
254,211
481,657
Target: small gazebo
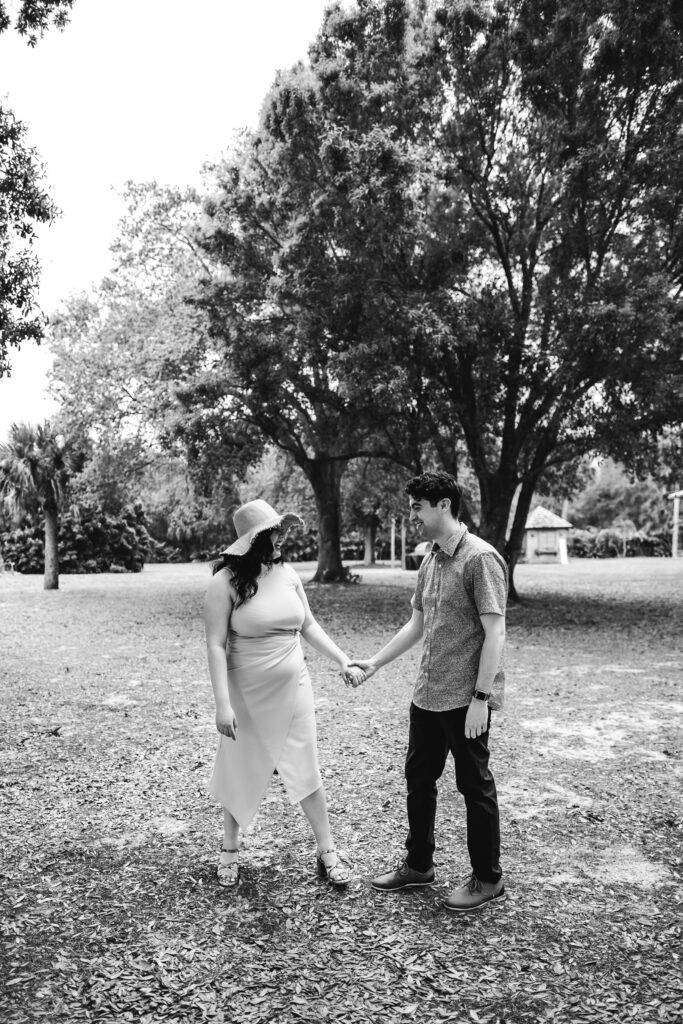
545,537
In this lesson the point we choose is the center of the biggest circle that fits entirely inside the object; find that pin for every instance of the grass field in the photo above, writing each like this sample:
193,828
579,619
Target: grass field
111,909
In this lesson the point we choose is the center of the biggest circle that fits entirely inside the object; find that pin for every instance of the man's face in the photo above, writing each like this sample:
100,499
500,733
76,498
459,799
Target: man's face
426,517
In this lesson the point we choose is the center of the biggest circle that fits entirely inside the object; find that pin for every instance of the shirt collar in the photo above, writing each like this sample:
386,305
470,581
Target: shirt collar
453,542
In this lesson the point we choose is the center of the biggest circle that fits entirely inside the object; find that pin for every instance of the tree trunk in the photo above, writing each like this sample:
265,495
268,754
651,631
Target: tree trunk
51,577
496,502
370,534
325,477
513,548
465,516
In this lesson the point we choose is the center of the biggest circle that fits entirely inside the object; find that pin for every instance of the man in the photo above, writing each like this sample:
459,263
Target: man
459,612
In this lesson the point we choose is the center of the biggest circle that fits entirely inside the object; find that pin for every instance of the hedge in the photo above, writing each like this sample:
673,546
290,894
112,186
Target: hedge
610,544
90,541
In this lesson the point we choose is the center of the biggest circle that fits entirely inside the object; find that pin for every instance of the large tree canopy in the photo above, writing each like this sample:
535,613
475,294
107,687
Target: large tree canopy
307,228
558,161
474,209
23,200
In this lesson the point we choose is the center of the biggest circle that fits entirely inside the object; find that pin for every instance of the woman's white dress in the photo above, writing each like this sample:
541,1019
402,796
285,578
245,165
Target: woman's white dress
272,697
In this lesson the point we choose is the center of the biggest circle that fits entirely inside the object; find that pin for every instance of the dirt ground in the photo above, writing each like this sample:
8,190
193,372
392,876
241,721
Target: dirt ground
111,910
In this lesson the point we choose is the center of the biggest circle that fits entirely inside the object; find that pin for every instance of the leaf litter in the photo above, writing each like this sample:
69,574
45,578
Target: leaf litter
111,908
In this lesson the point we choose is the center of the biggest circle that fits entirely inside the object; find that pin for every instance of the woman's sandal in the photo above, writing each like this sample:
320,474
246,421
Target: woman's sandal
332,867
228,869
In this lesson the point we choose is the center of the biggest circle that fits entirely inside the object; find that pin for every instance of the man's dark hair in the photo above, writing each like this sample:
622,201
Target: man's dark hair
435,486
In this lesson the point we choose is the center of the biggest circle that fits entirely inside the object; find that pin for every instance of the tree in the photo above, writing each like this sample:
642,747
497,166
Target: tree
124,350
534,238
310,223
611,496
23,201
23,204
123,356
557,198
374,492
278,479
33,17
532,262
306,268
35,466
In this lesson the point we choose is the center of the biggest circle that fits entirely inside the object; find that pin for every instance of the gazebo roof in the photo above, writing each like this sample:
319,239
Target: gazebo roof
543,519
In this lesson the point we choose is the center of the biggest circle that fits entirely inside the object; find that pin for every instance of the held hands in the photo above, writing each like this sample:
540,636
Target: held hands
356,672
368,667
477,719
353,676
226,723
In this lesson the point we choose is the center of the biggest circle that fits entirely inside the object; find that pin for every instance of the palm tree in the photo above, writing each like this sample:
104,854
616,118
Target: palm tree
35,465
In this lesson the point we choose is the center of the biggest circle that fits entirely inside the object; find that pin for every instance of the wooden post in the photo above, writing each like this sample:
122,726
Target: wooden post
676,495
393,542
403,542
620,524
674,541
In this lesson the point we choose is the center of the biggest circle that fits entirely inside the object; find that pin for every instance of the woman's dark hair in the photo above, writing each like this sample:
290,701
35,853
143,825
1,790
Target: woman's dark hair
435,486
245,569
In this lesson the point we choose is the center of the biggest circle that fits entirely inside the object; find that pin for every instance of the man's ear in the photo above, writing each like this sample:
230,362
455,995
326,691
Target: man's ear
445,504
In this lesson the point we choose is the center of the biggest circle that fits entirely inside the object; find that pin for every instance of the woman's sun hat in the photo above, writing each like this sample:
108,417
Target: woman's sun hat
256,517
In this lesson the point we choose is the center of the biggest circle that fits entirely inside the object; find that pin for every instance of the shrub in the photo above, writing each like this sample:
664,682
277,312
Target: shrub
610,544
581,544
653,545
90,541
302,547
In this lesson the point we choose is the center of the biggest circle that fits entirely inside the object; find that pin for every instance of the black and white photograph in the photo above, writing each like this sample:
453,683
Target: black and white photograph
341,526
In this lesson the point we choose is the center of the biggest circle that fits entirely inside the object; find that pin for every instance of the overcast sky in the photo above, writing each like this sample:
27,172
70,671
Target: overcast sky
133,89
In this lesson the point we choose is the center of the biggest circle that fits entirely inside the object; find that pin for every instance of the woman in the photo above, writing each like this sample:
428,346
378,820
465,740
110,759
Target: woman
256,608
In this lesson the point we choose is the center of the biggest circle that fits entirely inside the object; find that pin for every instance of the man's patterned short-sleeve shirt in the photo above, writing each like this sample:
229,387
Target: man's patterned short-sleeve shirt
456,584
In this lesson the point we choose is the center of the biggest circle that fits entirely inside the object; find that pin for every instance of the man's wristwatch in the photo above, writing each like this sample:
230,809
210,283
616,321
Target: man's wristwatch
480,695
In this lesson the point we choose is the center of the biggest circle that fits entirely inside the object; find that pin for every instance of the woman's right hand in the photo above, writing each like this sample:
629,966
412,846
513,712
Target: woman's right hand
226,723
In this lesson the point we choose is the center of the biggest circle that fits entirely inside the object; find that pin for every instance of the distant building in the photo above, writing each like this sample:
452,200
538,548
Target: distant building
545,537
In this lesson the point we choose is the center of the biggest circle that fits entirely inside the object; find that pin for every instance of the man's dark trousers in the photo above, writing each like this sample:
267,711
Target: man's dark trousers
432,735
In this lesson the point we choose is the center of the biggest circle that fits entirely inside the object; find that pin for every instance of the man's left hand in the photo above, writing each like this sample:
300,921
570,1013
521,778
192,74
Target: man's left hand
477,720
